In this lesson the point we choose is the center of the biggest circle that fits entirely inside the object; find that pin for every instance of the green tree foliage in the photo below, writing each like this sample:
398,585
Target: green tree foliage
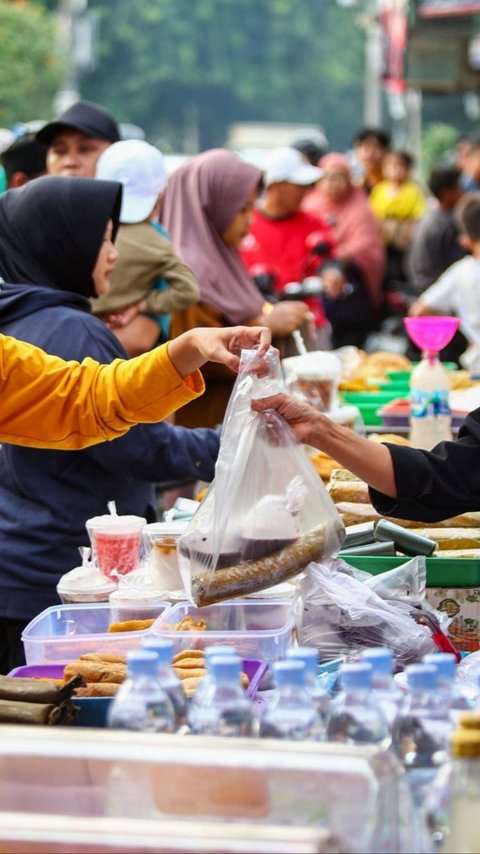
438,143
30,67
174,66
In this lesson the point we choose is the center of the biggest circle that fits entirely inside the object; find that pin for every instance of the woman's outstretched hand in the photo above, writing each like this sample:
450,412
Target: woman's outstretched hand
224,345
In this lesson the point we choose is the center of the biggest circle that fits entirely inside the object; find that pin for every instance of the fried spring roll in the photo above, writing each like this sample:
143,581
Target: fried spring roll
96,671
249,577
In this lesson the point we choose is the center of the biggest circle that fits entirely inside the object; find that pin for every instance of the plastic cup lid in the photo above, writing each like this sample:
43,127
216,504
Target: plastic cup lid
164,529
116,524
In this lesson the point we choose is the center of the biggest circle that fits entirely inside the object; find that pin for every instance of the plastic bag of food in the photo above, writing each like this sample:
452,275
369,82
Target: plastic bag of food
267,513
343,615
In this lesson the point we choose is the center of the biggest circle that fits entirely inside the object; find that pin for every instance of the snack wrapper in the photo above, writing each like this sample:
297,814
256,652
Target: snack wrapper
267,514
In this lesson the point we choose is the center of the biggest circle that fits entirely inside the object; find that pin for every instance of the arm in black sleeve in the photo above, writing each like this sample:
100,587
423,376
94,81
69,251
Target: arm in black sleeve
437,484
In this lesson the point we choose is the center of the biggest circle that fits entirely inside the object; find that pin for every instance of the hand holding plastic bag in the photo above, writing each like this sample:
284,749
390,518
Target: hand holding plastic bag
267,514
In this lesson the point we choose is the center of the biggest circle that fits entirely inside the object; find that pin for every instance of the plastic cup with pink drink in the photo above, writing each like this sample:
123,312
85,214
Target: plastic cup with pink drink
116,543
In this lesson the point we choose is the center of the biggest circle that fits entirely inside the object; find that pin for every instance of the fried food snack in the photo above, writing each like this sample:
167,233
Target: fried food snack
349,490
98,689
131,626
104,656
189,654
96,671
188,624
251,576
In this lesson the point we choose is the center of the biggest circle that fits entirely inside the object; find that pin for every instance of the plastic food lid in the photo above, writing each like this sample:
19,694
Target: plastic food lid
85,579
116,523
164,529
316,365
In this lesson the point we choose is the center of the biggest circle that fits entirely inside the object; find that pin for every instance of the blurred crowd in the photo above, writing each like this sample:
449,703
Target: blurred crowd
323,248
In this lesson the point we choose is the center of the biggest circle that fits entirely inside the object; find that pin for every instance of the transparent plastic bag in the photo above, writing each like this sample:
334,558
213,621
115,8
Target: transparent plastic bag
267,513
343,615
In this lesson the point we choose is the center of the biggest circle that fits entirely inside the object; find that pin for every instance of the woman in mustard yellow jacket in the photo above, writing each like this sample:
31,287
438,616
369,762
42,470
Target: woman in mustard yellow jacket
50,403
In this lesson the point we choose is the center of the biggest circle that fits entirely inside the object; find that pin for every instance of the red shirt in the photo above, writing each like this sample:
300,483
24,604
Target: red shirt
283,247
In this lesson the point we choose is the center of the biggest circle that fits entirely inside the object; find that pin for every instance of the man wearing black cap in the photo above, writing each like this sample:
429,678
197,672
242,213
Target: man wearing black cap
76,139
24,159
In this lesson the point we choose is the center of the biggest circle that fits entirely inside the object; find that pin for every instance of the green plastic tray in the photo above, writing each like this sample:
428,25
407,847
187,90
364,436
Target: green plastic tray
378,397
441,571
405,375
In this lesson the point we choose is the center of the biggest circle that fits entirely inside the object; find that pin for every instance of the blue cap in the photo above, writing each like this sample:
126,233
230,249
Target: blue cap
308,655
142,662
219,649
445,663
381,659
356,675
225,668
291,672
421,677
162,647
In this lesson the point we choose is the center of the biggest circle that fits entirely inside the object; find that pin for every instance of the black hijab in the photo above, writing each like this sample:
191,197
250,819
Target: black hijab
52,228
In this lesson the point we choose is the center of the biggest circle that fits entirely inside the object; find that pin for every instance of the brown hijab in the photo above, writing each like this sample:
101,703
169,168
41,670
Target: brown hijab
202,198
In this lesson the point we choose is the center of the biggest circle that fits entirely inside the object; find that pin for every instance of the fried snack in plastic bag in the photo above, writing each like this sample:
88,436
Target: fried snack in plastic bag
267,513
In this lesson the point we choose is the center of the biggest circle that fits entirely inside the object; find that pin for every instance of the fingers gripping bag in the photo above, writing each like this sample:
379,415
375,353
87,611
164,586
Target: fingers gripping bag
267,513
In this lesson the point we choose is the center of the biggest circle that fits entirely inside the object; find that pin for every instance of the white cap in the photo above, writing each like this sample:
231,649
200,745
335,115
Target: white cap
140,167
288,164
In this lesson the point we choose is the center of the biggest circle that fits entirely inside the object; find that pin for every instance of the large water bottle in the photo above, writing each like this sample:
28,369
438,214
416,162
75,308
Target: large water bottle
430,419
421,731
167,677
309,656
385,689
290,711
456,699
356,717
141,703
224,708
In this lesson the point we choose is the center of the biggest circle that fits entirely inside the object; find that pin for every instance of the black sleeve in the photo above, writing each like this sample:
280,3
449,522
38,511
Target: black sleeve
437,484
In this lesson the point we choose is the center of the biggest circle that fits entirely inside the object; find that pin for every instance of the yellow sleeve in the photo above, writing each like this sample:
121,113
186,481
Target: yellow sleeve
50,403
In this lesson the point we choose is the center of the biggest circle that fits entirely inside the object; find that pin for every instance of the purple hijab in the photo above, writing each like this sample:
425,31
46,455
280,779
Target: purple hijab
201,200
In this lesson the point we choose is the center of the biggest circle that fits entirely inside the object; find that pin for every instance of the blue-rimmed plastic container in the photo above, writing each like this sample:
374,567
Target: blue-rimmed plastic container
93,710
64,632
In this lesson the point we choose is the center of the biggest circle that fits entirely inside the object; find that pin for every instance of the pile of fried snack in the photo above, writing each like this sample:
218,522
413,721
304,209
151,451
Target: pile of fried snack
455,537
103,673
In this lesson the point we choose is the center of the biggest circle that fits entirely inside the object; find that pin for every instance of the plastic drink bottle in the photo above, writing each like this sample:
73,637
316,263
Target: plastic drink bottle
454,697
309,656
167,677
430,418
463,819
209,653
421,731
385,689
224,708
290,711
356,717
141,703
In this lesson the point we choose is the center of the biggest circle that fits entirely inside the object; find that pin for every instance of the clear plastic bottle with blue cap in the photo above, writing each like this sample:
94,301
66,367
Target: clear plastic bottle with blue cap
290,711
447,684
421,731
356,717
385,689
204,686
141,703
167,677
224,709
309,656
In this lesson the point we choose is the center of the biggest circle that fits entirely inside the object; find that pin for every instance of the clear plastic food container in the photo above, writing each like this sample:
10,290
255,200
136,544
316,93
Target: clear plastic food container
256,628
160,543
64,632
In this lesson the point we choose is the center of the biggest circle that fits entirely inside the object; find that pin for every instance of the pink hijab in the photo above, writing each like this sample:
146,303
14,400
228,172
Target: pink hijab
201,199
357,233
